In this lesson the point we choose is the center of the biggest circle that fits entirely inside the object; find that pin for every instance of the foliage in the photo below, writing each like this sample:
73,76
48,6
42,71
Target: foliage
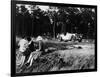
33,21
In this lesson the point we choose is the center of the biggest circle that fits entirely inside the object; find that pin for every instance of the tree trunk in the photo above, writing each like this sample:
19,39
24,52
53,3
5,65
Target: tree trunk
54,34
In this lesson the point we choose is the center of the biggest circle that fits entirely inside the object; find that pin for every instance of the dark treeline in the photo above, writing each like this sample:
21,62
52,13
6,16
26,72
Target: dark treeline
35,21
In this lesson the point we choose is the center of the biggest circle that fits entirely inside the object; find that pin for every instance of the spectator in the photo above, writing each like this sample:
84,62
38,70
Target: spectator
35,53
23,48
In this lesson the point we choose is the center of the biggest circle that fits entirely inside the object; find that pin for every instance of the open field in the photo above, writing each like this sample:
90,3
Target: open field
63,56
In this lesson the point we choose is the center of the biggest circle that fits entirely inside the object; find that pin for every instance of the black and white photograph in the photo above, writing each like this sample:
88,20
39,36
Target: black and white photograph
53,38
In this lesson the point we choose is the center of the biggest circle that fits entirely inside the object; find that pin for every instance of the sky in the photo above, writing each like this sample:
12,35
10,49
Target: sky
42,7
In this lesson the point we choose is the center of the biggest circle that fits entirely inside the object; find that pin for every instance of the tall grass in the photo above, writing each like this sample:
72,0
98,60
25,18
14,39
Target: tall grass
53,62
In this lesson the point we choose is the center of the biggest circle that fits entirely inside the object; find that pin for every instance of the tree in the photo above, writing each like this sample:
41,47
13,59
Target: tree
33,21
52,13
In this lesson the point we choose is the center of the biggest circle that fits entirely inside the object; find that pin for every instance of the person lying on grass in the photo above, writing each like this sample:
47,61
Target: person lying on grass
35,53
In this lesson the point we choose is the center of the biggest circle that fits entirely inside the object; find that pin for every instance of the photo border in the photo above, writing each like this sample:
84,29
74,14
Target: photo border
13,56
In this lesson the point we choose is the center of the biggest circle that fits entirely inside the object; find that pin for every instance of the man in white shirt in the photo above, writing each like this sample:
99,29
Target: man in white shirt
23,45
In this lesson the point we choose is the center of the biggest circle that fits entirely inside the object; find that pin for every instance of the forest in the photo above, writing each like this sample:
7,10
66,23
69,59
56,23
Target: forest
31,20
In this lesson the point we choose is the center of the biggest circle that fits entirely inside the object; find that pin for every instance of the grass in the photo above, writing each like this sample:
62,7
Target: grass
79,62
54,61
